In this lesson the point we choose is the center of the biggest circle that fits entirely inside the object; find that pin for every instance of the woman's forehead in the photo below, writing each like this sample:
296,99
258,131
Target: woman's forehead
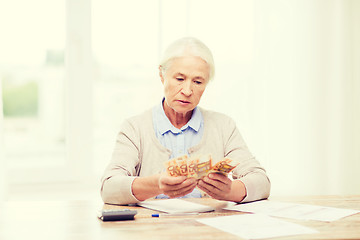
188,64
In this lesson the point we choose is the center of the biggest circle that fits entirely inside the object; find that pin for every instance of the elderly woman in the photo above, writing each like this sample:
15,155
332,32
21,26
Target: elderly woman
175,127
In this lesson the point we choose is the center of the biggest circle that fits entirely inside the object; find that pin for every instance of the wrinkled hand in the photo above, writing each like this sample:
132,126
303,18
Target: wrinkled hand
217,186
221,187
176,186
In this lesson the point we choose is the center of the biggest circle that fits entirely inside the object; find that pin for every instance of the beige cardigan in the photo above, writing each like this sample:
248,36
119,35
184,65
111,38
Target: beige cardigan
139,153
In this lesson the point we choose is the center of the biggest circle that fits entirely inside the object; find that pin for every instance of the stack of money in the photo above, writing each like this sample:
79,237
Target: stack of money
198,166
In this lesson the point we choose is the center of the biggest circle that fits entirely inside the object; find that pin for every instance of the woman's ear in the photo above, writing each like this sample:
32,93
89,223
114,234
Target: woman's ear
161,73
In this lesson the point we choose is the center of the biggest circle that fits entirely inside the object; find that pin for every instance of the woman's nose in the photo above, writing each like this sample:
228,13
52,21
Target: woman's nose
187,88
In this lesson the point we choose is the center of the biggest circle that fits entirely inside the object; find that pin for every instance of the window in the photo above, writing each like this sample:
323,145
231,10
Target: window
32,77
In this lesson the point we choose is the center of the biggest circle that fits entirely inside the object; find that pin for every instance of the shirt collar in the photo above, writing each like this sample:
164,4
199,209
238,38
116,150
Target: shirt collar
164,125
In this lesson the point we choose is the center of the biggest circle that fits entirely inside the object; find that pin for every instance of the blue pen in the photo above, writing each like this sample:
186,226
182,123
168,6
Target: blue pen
172,214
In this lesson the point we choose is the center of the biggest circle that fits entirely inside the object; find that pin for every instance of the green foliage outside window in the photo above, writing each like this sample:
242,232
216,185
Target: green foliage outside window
20,100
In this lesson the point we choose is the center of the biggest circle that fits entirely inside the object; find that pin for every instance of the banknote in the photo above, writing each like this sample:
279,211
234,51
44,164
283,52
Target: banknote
193,167
198,166
177,166
203,166
225,166
182,163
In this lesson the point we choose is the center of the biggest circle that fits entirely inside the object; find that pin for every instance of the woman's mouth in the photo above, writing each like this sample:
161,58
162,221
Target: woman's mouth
183,102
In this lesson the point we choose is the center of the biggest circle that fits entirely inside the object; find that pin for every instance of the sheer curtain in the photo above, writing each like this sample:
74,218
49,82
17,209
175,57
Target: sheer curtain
304,97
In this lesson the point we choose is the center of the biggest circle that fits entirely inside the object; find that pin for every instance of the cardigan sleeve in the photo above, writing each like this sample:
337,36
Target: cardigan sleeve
123,168
249,171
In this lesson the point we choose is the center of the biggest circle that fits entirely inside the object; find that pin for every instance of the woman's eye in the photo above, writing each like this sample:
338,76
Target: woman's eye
198,82
180,79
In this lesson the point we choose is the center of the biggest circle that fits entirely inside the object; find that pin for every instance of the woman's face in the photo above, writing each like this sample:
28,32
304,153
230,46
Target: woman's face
184,81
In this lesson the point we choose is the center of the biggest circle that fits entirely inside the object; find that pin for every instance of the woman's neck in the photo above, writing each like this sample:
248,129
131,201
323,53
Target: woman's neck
178,120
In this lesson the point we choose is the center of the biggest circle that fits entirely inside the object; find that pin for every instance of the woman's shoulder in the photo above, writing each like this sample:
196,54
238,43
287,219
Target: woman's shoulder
210,115
217,124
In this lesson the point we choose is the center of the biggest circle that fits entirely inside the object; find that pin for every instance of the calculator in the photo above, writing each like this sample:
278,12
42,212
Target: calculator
117,214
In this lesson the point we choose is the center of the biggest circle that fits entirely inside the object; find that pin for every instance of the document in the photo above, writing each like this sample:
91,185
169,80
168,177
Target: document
175,206
255,226
293,210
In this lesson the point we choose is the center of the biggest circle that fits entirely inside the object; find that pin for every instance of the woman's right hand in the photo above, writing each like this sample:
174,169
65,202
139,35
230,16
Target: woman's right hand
176,186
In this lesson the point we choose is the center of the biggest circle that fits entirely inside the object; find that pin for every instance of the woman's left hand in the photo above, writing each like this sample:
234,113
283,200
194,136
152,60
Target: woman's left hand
221,187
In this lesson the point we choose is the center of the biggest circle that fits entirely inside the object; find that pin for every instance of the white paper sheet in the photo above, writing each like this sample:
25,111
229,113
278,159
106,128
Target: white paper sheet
175,206
294,211
255,226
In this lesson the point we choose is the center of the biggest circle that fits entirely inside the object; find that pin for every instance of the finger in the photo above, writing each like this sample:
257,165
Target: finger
205,187
178,187
208,187
220,191
181,192
217,184
167,180
219,177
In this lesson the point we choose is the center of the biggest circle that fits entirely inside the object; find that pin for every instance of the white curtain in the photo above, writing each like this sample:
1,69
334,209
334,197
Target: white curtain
304,97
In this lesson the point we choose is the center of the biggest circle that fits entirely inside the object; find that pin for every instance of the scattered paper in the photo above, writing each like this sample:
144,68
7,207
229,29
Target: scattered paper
175,206
294,211
255,226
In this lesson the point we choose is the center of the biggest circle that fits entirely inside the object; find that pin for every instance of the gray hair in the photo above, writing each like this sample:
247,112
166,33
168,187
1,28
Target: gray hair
185,47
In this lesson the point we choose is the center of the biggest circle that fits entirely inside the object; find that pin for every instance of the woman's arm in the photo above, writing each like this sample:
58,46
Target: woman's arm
121,183
123,168
249,180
